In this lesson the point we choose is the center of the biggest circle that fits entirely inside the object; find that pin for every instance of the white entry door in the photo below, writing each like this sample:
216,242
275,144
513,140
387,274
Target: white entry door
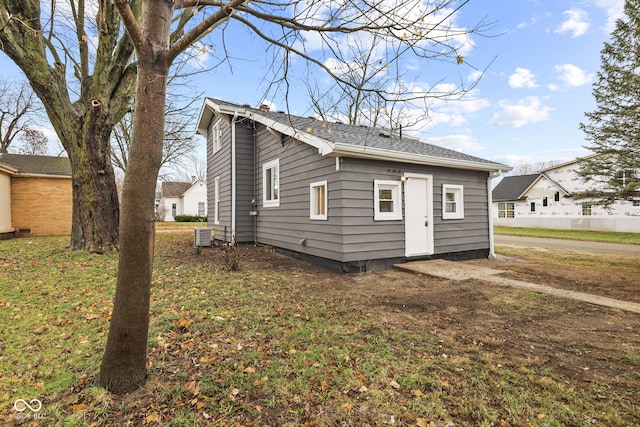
418,214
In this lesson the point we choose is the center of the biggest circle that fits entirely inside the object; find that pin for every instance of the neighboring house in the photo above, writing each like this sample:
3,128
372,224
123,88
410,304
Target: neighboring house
350,198
181,198
543,200
35,195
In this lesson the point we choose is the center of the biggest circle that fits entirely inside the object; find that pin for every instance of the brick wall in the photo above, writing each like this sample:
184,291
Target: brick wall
41,205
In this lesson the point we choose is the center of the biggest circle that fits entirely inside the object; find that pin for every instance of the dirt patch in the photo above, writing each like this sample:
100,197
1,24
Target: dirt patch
584,343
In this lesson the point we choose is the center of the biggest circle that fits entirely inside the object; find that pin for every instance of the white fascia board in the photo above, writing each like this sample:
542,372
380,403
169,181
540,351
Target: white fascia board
209,107
421,159
324,147
8,169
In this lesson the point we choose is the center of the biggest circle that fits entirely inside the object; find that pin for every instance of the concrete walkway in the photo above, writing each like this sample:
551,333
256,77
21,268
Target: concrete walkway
456,271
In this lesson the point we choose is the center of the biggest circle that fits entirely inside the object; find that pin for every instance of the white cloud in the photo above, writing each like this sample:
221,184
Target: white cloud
577,23
572,75
532,21
522,78
524,111
614,10
461,142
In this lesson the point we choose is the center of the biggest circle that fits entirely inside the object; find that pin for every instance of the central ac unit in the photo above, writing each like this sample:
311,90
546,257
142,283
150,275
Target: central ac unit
203,237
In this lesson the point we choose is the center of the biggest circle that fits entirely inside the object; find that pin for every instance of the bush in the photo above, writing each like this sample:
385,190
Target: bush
190,218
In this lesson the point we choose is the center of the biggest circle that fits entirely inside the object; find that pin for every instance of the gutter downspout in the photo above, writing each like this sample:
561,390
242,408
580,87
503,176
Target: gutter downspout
492,252
233,177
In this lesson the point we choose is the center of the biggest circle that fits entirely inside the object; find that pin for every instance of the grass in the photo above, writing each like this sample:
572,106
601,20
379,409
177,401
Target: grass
172,225
253,348
593,236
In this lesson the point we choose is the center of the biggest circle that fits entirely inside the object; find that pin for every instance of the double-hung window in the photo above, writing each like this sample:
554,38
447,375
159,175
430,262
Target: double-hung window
452,201
387,204
506,210
318,197
271,183
216,136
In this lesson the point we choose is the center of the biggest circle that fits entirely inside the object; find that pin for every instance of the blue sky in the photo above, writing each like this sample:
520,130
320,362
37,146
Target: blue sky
543,57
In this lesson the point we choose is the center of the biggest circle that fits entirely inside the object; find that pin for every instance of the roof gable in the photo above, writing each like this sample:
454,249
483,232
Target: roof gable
513,187
37,165
338,139
174,189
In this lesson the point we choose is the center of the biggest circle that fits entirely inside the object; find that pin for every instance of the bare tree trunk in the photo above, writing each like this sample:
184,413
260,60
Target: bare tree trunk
123,366
96,210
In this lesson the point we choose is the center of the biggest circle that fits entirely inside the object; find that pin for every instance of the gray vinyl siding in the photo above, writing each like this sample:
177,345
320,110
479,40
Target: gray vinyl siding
351,233
244,183
471,232
219,164
366,239
287,225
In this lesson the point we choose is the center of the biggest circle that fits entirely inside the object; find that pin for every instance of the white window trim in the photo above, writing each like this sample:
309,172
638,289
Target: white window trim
313,200
217,136
269,165
216,203
396,194
458,194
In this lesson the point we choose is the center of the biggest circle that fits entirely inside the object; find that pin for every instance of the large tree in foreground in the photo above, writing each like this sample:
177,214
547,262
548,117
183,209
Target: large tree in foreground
83,71
613,129
297,28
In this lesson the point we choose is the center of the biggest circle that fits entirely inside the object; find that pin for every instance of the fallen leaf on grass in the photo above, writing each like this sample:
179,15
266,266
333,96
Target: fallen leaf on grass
394,384
78,407
151,418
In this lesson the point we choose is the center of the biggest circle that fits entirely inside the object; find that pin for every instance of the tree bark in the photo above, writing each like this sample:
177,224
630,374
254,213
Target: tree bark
96,209
123,367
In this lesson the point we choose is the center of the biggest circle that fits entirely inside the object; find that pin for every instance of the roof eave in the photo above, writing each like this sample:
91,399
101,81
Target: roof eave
341,150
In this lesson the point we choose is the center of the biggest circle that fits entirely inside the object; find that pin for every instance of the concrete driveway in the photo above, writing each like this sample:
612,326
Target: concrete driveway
572,245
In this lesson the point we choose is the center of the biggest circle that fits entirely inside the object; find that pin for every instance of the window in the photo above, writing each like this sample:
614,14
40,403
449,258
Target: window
636,203
271,183
556,196
216,203
506,210
452,202
318,206
533,206
174,209
387,200
586,208
200,208
624,177
216,136
545,201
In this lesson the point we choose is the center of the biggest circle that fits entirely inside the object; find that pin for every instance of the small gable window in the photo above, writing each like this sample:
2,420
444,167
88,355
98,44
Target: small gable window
387,200
545,201
216,136
318,205
271,183
556,196
452,201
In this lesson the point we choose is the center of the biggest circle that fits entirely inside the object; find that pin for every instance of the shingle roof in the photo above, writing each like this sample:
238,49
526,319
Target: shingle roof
41,165
360,138
174,189
512,187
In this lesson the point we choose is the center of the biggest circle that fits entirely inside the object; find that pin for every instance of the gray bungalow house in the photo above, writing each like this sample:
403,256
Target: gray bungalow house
346,197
